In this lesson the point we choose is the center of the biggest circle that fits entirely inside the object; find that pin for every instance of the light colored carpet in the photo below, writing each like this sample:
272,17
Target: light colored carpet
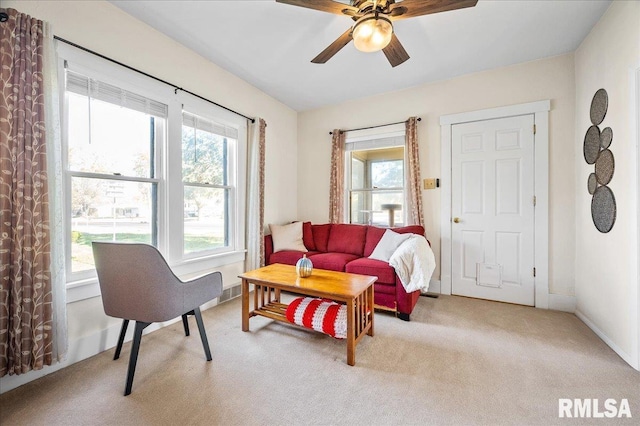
459,361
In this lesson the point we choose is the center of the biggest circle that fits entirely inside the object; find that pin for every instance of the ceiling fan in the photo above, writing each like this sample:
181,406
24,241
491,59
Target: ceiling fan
373,28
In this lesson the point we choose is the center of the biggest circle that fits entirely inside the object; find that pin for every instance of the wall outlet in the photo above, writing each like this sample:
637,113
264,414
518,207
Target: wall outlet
430,183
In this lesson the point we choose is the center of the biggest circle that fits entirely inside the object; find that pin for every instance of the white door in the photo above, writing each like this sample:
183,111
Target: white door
492,186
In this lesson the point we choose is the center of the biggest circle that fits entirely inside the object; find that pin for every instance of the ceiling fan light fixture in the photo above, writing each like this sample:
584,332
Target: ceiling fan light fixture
372,33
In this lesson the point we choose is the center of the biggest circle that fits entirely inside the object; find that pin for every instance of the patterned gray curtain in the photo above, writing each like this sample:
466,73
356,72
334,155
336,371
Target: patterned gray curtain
415,214
336,183
25,278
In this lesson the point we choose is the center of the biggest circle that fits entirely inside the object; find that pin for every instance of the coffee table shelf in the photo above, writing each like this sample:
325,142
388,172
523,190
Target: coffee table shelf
356,291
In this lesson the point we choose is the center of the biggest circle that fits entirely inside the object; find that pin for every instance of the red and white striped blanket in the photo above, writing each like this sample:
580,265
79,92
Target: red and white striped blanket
325,316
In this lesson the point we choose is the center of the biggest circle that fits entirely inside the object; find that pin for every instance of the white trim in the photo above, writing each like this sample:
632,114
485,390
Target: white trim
628,359
434,286
540,110
445,209
86,347
500,112
635,76
376,133
560,302
541,218
87,288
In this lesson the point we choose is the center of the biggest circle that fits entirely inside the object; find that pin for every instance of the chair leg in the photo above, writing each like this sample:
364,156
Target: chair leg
185,323
133,359
123,331
203,334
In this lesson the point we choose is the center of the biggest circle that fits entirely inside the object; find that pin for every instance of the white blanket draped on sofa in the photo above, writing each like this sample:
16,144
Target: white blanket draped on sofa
414,263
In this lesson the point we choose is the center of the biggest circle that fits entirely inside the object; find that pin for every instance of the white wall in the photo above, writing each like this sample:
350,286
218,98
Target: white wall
102,27
551,78
606,264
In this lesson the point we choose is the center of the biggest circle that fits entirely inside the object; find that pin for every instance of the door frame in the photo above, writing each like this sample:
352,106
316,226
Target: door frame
636,286
540,111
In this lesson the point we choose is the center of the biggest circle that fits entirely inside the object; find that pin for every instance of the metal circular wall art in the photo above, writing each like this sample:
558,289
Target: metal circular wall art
591,145
603,209
592,183
604,167
599,105
596,151
606,137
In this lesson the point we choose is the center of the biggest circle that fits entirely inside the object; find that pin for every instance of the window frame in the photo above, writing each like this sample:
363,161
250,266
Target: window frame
236,161
371,139
168,169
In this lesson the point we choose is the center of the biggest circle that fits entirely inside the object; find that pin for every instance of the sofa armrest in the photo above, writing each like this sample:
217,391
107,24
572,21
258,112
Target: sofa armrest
268,248
405,301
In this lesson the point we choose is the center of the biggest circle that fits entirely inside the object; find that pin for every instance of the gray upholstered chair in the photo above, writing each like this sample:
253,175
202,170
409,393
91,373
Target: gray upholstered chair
138,285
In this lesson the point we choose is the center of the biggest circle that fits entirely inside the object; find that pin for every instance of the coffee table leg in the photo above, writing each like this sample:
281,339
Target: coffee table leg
351,337
245,305
370,309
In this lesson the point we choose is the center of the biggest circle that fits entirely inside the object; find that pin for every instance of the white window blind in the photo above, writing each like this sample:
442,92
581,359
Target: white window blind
82,85
363,145
199,123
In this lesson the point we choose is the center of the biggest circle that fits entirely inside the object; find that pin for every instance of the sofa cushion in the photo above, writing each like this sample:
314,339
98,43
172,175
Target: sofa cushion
287,237
307,236
374,234
321,236
288,257
410,229
347,238
378,268
388,244
331,261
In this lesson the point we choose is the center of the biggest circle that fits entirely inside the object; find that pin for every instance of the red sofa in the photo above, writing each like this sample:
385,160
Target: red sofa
346,248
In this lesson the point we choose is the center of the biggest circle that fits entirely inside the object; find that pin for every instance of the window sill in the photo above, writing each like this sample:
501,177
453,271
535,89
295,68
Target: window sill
186,269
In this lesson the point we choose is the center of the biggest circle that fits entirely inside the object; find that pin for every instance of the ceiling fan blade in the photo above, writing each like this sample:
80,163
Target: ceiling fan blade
394,52
425,7
333,48
324,6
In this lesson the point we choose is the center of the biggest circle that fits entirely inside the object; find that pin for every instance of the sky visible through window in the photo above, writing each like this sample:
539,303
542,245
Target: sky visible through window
112,140
107,140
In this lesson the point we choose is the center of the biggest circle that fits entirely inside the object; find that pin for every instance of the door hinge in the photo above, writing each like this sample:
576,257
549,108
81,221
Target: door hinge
534,129
534,272
535,200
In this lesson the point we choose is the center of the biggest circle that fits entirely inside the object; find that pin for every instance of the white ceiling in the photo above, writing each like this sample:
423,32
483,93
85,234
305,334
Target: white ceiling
270,44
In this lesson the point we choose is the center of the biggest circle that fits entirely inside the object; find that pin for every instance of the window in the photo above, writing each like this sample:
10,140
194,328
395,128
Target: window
375,181
145,164
207,158
112,184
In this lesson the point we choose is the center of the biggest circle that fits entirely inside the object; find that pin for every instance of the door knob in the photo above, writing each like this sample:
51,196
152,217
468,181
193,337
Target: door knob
456,220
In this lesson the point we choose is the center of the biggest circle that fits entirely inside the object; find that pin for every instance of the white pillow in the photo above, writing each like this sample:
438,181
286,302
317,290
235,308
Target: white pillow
389,242
287,237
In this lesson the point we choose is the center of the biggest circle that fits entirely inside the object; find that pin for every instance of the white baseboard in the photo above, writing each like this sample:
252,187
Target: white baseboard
559,302
625,356
434,286
85,347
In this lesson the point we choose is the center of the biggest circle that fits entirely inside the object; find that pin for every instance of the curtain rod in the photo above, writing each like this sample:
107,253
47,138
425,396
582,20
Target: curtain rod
374,127
253,120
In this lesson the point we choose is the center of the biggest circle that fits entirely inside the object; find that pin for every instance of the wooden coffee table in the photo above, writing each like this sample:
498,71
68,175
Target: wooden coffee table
356,291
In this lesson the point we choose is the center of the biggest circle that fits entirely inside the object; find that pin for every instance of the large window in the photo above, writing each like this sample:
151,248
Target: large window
145,164
112,135
207,159
375,182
